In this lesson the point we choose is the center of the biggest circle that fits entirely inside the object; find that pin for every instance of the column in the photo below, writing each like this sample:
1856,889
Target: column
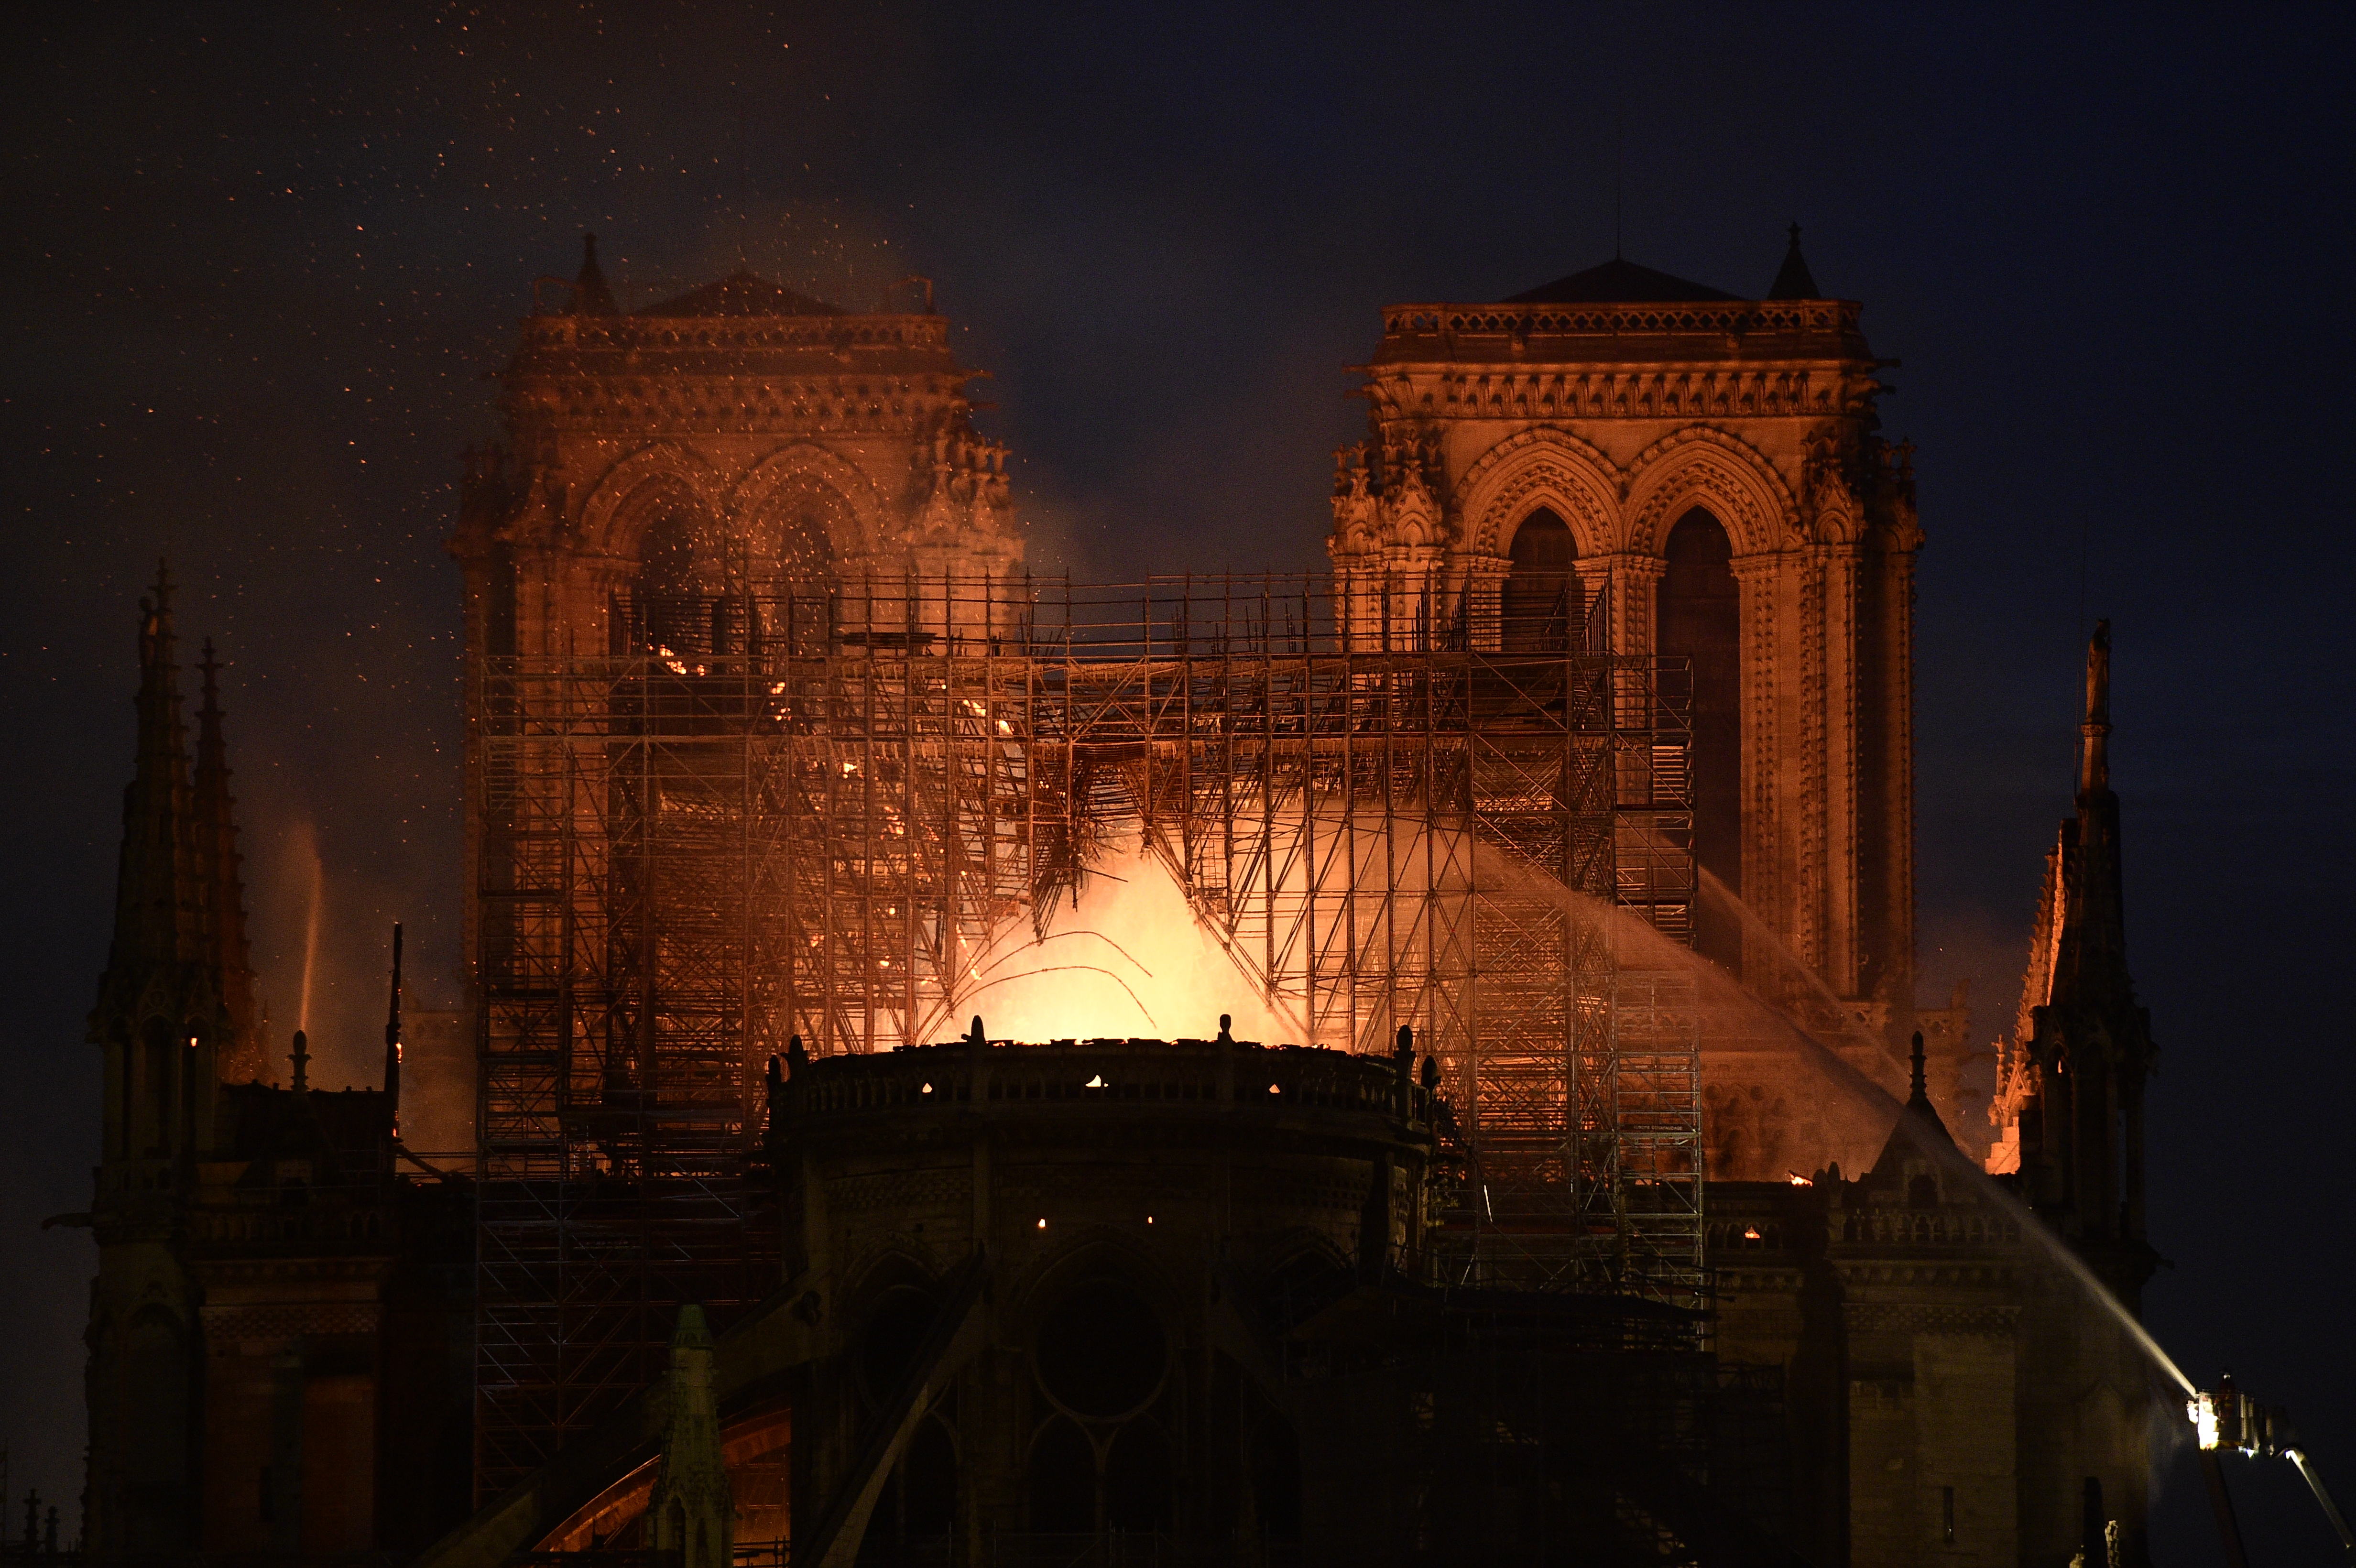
1763,856
1843,876
1633,599
1485,596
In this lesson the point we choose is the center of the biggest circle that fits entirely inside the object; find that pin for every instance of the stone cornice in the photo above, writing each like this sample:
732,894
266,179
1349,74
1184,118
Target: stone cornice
1590,391
1720,320
1985,1272
672,343
633,407
1990,1318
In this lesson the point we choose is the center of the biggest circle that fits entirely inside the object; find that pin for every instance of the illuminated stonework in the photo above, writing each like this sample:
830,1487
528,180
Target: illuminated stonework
1654,466
738,434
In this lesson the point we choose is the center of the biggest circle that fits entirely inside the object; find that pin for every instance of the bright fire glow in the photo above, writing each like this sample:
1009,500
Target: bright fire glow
1127,959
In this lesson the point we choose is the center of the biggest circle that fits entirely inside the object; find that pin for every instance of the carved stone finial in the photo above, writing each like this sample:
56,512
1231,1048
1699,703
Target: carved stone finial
2094,728
693,1507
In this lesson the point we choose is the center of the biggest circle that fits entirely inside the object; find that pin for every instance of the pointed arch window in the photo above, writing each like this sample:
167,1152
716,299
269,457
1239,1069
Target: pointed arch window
1541,609
1700,621
162,1058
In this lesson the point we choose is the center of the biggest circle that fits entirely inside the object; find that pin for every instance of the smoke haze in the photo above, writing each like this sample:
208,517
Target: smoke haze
267,257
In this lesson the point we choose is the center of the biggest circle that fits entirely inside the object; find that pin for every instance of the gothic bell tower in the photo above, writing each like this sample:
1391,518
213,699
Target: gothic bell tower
691,493
1656,467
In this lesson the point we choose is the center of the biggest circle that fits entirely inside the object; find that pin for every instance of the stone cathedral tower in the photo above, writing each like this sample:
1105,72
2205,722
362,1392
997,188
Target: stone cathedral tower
1620,454
665,466
738,435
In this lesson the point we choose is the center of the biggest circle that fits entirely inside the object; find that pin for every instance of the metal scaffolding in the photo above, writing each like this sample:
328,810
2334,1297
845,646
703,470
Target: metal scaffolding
826,808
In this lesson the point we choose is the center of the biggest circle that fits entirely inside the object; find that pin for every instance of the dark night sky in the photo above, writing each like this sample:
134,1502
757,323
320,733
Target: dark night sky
257,267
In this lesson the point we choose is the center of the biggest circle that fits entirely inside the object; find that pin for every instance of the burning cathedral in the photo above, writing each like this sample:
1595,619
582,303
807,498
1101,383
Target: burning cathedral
1598,1193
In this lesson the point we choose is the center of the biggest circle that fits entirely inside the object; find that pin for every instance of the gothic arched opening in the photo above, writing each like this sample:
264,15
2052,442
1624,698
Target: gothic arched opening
154,1458
895,1329
1062,1481
682,568
916,1513
1102,1350
1137,1479
794,531
1700,620
707,586
1541,605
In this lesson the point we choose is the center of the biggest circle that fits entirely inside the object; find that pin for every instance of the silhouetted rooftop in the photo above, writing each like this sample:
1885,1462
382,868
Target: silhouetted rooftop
1793,280
1617,282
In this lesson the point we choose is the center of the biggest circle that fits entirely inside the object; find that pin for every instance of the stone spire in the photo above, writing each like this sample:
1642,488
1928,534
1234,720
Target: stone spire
590,294
2090,964
693,1511
2094,728
2089,1049
1793,280
159,1015
160,1025
241,1056
1920,1136
159,901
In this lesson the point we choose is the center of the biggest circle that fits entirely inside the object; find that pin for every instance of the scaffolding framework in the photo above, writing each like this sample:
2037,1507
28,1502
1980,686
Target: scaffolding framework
825,808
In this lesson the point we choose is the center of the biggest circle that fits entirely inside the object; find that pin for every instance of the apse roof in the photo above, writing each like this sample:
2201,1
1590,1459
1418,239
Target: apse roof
741,293
1617,282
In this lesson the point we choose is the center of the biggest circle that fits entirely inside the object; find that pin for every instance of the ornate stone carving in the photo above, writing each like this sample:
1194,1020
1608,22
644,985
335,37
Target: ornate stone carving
1703,465
1383,499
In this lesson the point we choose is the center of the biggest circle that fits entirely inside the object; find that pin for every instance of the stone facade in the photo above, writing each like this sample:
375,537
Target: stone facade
739,434
1952,1390
1956,1384
1716,465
